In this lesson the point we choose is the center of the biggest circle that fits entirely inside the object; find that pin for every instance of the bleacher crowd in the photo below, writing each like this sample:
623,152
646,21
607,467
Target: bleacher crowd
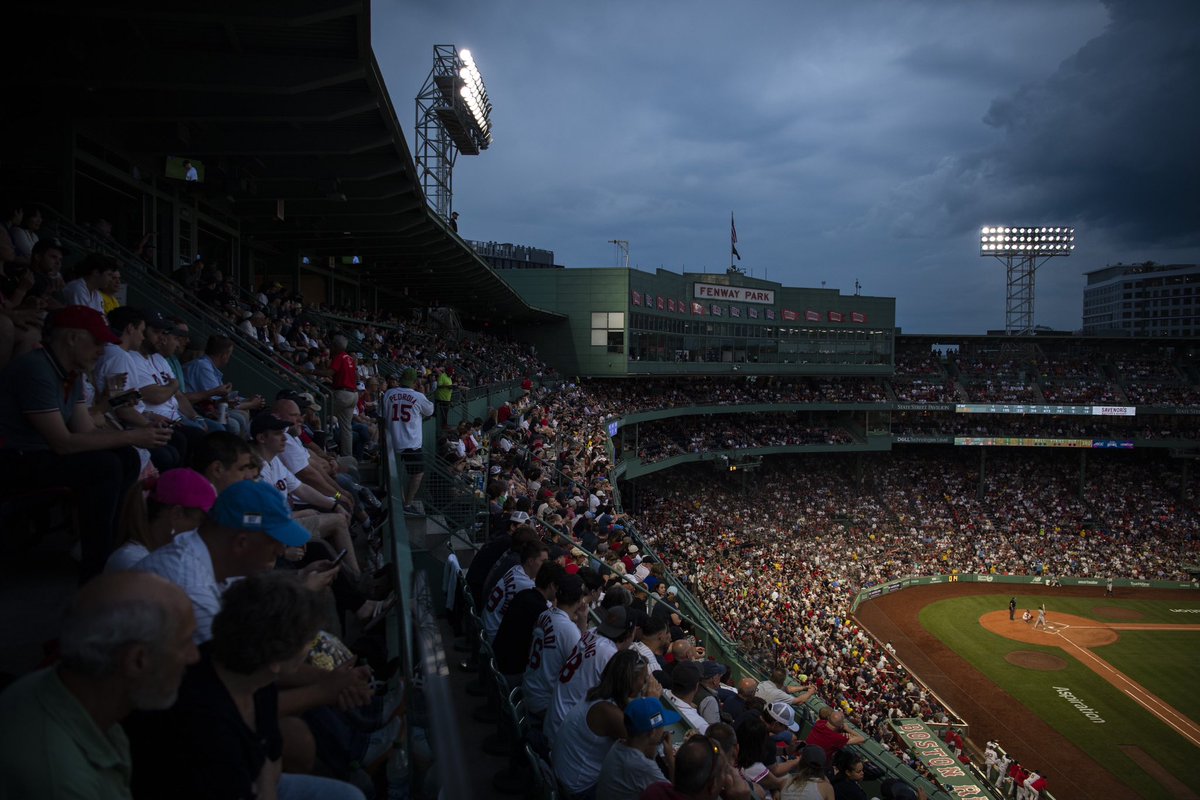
280,684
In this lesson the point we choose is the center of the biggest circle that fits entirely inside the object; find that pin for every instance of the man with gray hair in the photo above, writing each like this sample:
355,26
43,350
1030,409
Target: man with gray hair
344,373
125,644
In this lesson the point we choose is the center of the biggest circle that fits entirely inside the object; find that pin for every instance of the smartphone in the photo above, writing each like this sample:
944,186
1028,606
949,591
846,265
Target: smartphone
125,399
338,559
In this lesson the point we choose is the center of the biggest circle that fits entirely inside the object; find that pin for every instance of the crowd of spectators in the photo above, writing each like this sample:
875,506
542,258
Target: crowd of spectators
909,423
188,485
596,692
1081,392
677,435
778,559
628,396
298,334
116,412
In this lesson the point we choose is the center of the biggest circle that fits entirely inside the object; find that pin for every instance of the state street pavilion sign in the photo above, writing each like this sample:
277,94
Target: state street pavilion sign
733,294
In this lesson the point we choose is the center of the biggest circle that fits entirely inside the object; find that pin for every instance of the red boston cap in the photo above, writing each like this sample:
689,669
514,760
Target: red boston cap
86,319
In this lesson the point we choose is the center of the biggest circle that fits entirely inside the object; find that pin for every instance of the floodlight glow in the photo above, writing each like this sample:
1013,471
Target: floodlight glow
1025,240
453,118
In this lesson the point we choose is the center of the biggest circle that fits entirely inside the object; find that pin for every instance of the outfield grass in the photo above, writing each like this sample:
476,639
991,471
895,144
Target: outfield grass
1167,663
955,622
1151,610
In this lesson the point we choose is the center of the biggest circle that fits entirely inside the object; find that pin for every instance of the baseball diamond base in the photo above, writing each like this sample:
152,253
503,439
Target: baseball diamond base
991,712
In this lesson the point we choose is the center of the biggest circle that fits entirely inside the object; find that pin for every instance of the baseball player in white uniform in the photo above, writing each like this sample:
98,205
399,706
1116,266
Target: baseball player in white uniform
1041,620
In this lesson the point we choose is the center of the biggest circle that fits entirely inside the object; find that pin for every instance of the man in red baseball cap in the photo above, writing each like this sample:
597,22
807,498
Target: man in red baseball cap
47,437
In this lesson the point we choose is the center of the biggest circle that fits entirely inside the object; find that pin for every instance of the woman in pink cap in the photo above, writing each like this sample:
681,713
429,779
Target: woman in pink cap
179,502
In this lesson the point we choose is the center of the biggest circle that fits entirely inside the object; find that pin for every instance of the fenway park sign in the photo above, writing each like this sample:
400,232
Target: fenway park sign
733,294
937,758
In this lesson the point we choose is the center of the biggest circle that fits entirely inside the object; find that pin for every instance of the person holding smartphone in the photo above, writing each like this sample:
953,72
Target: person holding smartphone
48,438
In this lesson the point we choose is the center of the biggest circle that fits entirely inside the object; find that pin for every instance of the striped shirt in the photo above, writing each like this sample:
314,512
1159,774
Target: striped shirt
186,562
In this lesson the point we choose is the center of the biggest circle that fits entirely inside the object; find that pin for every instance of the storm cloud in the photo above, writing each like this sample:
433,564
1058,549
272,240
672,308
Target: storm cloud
859,141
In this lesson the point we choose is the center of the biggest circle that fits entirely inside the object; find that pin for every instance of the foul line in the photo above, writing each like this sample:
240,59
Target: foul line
1163,714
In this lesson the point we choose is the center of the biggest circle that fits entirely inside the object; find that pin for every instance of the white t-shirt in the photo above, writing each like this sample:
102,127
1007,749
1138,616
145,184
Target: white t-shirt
153,370
117,361
76,293
553,637
577,751
690,714
295,455
580,672
500,598
279,476
404,408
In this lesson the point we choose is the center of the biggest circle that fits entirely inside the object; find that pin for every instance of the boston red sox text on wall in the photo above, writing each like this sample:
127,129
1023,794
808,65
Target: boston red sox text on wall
940,762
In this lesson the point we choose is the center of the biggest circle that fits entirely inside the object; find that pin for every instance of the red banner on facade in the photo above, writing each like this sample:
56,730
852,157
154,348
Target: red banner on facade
858,316
698,309
835,316
788,316
637,298
661,303
812,316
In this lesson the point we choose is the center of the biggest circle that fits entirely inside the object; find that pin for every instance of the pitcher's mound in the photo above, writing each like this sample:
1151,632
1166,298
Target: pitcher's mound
1042,662
1117,612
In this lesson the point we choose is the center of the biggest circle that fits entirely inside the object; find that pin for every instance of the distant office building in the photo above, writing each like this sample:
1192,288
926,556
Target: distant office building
502,255
1143,300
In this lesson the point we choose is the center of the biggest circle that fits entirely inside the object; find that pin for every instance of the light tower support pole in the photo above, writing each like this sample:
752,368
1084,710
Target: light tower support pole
1022,249
1018,305
453,118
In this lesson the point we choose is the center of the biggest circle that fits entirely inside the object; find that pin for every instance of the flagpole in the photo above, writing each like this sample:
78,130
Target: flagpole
732,228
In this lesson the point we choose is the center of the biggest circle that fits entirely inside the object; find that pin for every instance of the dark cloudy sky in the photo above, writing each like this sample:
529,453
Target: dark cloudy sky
862,140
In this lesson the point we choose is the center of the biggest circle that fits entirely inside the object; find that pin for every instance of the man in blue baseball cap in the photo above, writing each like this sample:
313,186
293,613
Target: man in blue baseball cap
247,529
629,767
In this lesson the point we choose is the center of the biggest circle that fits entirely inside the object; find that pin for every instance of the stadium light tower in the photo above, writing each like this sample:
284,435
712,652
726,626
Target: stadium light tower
454,116
1022,249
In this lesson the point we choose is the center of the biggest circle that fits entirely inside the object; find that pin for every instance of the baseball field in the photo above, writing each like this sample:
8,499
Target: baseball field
1103,699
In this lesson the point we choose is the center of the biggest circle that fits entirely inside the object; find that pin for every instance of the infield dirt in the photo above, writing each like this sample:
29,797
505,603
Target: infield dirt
990,711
